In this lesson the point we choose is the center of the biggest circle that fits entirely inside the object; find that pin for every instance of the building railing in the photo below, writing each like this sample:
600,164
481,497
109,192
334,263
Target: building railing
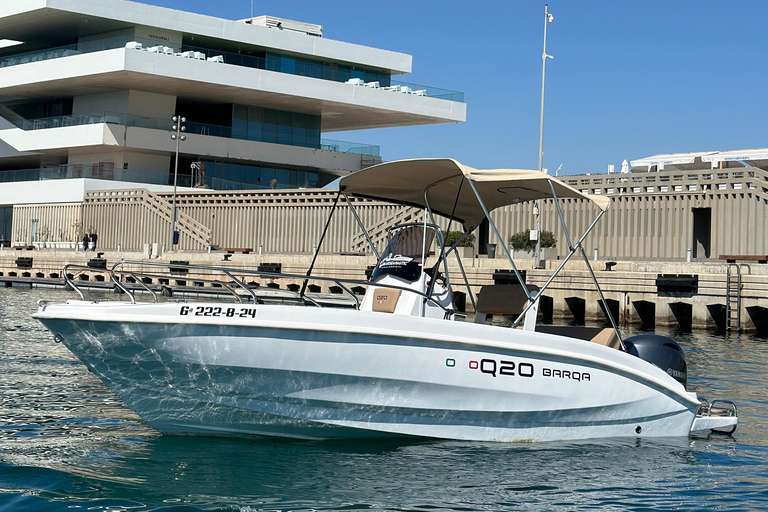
166,124
98,45
107,172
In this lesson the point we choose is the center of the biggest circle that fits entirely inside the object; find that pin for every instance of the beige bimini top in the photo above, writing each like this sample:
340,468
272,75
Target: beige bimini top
405,181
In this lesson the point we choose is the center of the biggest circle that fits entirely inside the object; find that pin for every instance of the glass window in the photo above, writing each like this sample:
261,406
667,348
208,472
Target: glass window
329,70
299,137
283,177
358,73
343,73
287,65
311,180
252,174
255,123
273,62
239,122
268,177
285,127
269,128
313,131
237,173
315,69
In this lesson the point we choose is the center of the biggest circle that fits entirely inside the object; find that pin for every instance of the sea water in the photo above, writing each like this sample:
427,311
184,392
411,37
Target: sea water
68,444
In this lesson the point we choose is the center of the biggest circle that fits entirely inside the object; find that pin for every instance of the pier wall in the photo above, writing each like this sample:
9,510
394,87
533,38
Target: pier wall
631,286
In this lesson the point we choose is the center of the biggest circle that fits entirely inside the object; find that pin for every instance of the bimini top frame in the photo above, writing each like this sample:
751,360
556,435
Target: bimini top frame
438,186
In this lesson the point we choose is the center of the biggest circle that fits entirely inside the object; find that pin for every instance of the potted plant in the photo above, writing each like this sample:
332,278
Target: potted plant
522,241
466,247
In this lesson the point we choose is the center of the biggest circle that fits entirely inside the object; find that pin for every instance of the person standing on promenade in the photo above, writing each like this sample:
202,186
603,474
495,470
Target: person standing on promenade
94,239
86,241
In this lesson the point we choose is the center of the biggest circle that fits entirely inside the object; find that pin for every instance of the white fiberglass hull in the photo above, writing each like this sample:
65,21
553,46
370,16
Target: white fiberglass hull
321,373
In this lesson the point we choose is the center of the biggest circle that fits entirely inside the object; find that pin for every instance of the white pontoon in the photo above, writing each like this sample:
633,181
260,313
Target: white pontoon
401,361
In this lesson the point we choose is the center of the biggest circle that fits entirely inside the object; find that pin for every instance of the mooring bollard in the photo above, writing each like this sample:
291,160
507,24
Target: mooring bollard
688,255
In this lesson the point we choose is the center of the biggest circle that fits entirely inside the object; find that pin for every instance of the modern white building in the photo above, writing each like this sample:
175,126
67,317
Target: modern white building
88,89
730,159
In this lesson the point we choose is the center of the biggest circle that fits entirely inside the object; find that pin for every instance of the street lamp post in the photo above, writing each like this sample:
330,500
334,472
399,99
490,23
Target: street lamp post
178,136
548,18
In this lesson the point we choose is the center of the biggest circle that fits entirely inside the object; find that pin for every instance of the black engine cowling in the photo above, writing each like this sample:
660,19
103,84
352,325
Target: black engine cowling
660,351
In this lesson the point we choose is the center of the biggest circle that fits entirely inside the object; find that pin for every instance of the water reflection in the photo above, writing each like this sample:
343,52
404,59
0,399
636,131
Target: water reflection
66,443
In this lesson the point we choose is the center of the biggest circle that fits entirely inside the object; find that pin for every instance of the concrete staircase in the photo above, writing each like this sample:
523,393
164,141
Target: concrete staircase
159,207
378,232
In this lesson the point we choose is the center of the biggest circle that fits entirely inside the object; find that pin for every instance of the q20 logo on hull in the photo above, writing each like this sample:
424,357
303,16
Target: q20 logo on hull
495,368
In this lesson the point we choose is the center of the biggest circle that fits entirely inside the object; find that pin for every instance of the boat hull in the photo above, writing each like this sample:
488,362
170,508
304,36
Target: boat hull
320,373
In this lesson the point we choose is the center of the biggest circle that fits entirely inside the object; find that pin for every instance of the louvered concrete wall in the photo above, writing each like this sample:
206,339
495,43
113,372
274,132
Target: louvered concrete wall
648,226
55,223
282,222
653,226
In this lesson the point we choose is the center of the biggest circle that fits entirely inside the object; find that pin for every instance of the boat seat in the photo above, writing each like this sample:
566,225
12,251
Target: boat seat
385,300
607,337
603,336
501,299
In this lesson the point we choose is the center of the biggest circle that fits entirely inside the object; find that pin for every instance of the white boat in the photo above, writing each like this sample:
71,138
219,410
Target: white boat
400,363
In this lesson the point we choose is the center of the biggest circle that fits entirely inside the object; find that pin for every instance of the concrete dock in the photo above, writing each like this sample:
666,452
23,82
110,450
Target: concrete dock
647,293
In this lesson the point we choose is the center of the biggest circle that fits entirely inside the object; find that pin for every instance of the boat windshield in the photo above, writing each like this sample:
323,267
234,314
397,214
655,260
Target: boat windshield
402,257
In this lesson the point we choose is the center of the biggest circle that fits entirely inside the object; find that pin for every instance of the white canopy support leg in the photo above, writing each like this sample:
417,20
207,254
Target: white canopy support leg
530,315
559,268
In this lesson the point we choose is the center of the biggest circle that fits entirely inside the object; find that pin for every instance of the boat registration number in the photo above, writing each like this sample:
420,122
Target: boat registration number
238,312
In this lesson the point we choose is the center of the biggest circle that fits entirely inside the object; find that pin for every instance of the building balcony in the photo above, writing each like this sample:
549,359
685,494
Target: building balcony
341,106
211,130
269,61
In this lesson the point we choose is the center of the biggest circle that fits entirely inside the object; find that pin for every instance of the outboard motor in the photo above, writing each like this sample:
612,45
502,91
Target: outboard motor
661,351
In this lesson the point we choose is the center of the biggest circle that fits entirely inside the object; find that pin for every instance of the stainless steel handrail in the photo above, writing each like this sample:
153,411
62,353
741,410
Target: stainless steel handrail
116,268
74,286
142,284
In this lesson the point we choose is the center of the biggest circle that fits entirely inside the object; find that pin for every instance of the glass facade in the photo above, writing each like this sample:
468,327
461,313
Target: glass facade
276,126
272,61
238,176
41,109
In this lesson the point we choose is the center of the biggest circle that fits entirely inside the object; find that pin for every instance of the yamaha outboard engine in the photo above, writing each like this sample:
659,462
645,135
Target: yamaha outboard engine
660,351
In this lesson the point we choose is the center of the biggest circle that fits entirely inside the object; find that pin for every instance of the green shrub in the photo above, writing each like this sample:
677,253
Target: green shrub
469,240
522,241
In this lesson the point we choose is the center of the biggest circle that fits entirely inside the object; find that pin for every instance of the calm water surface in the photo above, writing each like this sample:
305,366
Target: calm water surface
68,444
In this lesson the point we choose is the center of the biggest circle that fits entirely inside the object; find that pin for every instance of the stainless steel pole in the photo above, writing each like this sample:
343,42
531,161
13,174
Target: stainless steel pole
175,179
537,205
178,129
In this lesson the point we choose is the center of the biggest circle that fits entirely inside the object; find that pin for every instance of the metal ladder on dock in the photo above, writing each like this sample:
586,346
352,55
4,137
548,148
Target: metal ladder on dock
733,288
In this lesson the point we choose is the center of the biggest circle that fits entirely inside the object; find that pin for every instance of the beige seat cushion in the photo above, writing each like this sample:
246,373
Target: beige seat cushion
607,337
385,300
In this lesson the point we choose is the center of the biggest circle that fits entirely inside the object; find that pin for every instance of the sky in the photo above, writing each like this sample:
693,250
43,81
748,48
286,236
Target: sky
629,78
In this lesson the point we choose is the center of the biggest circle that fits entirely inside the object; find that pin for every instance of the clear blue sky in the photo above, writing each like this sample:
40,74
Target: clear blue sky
629,79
